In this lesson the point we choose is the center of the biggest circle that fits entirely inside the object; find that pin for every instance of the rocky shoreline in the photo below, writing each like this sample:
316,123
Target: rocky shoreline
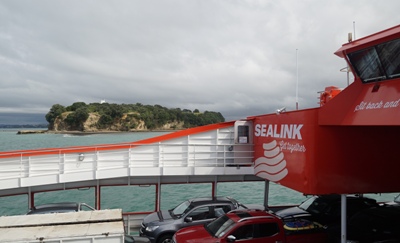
31,131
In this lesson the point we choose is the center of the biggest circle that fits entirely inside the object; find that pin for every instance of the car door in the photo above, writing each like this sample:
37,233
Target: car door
256,233
199,215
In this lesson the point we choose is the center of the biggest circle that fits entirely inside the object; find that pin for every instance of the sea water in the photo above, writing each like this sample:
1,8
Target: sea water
135,198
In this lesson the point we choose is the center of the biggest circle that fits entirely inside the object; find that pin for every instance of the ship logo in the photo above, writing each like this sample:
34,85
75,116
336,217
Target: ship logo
273,165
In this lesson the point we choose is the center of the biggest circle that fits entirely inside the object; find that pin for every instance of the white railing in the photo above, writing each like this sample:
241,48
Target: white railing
119,160
190,153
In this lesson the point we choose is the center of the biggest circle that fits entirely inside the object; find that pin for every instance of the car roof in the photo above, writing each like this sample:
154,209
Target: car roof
336,197
55,208
206,200
58,205
245,214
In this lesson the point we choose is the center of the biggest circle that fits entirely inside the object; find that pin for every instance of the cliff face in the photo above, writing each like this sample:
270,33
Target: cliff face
125,123
60,124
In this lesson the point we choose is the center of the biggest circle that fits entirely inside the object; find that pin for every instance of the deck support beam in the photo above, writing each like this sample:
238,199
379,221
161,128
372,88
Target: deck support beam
266,194
343,218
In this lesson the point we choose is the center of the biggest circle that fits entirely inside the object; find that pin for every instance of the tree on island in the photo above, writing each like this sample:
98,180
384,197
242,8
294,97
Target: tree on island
125,117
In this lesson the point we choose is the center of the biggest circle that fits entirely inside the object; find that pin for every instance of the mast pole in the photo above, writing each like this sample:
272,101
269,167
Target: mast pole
297,82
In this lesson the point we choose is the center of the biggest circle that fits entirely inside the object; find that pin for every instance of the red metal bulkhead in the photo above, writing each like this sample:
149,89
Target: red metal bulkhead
350,144
292,149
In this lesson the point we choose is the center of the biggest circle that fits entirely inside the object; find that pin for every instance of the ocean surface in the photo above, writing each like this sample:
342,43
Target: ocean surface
135,198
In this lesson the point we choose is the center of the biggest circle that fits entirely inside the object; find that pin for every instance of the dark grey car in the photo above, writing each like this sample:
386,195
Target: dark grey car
160,226
326,209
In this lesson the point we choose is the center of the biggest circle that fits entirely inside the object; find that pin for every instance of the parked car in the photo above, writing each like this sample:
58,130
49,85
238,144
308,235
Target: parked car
160,226
63,207
378,224
250,226
326,209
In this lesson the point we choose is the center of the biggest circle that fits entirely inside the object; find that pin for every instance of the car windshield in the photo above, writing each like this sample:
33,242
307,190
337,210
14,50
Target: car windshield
181,209
306,204
85,207
236,203
220,226
313,205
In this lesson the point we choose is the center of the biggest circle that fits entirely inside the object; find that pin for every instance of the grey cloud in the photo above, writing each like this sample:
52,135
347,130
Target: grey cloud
235,57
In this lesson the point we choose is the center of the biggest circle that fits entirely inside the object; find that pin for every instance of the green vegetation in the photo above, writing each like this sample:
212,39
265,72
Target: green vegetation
55,111
125,117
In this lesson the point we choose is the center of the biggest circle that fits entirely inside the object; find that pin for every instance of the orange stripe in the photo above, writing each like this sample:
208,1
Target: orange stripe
102,147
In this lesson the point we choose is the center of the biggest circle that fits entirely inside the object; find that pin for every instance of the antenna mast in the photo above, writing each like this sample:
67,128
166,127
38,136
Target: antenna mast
297,82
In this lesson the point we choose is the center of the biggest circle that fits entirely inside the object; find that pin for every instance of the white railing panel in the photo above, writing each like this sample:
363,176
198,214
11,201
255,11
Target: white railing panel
144,156
199,153
10,168
113,159
72,163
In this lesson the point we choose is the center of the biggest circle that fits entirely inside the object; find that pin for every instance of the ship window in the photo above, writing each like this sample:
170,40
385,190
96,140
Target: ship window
378,62
243,134
367,65
389,54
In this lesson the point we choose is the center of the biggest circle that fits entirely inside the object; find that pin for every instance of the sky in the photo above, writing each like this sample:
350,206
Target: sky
237,57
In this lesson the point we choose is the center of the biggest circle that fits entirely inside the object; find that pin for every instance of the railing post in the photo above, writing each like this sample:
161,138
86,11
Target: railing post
61,160
160,164
28,162
96,163
194,155
216,147
187,154
21,167
129,160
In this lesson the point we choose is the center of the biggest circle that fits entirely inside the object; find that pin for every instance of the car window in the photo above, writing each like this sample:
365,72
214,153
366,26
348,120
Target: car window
200,213
221,210
254,231
251,231
314,205
265,230
220,226
181,208
244,232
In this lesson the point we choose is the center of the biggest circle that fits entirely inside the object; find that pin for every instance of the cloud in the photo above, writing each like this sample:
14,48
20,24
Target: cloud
240,58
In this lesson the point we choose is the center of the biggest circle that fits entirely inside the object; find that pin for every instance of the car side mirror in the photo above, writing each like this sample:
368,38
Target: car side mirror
188,219
231,238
